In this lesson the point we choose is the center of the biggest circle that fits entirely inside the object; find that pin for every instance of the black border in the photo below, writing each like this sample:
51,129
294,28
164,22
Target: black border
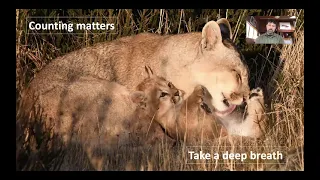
310,55
127,4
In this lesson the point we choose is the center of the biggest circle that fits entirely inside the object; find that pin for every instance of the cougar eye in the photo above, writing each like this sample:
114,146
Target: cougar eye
239,77
163,94
225,101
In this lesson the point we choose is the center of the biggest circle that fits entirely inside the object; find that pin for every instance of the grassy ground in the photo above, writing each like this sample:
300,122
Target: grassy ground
284,88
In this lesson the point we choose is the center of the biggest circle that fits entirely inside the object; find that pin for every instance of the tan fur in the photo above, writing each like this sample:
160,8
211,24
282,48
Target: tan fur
104,116
254,124
186,60
195,124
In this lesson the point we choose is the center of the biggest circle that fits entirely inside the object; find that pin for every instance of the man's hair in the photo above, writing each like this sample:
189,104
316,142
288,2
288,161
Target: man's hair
271,21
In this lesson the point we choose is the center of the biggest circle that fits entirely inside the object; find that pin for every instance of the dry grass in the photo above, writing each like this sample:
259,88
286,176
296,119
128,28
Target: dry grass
284,88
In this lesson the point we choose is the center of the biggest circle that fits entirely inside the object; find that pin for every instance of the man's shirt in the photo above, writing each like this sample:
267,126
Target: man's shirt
272,38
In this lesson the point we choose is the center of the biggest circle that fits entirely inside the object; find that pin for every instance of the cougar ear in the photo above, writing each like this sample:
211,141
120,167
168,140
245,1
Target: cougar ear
210,35
225,28
149,71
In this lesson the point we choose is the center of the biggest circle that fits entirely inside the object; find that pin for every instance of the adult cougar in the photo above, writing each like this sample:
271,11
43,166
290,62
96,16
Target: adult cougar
206,58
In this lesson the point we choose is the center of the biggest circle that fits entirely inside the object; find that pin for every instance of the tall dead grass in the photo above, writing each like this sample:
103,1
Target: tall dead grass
284,89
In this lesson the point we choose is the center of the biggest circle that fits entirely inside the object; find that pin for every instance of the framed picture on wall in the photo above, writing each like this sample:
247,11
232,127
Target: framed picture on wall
284,25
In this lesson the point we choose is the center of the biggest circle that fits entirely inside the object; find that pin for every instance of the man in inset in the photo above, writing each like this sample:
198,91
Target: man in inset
270,37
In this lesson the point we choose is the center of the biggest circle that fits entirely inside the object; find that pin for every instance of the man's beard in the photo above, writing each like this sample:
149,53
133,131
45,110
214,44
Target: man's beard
269,32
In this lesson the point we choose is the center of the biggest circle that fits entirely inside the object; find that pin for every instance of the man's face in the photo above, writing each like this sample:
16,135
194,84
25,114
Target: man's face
271,27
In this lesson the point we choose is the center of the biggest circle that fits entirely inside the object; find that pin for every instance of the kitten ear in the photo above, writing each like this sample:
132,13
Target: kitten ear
137,97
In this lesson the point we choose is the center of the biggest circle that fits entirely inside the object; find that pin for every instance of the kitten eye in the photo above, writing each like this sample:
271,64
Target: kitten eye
163,94
176,94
